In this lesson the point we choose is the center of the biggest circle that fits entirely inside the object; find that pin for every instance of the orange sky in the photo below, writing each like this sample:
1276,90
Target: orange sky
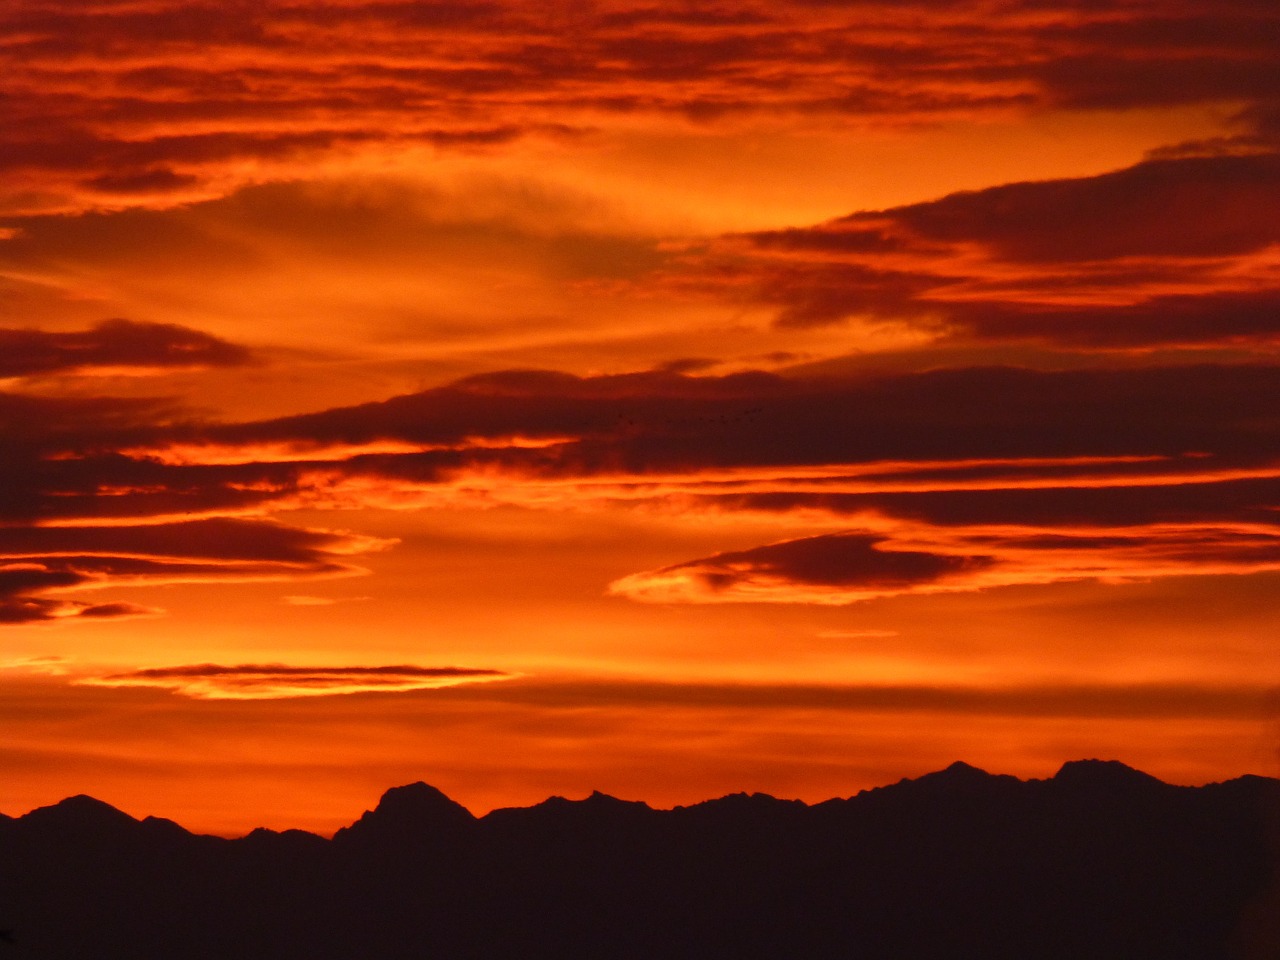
668,399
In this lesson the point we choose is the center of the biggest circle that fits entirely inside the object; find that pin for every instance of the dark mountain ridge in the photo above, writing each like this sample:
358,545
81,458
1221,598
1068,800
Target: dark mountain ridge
1100,861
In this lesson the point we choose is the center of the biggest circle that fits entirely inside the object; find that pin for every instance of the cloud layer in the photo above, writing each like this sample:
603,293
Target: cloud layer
162,101
951,479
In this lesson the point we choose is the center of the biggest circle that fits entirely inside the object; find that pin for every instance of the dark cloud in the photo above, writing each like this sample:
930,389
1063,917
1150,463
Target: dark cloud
844,568
214,539
1198,206
653,422
147,180
39,564
1163,54
20,610
24,583
132,161
1235,319
113,343
59,421
33,430
114,610
840,560
1166,253
831,568
538,424
1114,505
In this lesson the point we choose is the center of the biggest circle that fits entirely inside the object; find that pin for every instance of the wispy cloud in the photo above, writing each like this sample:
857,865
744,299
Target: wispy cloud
305,600
856,634
54,666
207,681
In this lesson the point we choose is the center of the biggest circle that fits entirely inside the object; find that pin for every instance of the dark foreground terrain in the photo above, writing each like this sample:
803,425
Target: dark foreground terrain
1100,861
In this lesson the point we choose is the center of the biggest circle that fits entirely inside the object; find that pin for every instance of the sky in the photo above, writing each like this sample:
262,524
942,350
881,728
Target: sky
670,399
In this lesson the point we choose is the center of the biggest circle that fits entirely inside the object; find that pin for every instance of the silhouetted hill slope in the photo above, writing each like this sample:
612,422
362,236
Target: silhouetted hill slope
1100,861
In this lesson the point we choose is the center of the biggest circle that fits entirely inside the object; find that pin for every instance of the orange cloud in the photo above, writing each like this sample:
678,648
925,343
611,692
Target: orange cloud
207,681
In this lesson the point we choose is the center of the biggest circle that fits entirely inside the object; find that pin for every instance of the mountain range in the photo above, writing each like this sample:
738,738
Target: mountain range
1100,861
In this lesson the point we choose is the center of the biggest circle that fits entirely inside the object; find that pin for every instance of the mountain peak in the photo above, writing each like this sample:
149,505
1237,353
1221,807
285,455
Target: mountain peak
598,799
961,769
415,809
81,819
1106,773
957,774
416,798
81,811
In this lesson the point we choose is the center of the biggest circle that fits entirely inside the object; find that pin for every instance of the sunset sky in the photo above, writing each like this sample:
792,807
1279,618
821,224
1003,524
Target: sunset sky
664,398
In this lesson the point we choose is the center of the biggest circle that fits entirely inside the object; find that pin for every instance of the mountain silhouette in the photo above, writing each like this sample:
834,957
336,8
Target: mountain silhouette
1099,861
416,813
1103,775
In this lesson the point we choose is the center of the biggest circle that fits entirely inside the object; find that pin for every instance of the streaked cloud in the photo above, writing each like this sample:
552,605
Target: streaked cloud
166,102
853,566
49,665
306,600
40,563
25,589
952,479
834,568
113,344
1170,253
207,681
856,634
